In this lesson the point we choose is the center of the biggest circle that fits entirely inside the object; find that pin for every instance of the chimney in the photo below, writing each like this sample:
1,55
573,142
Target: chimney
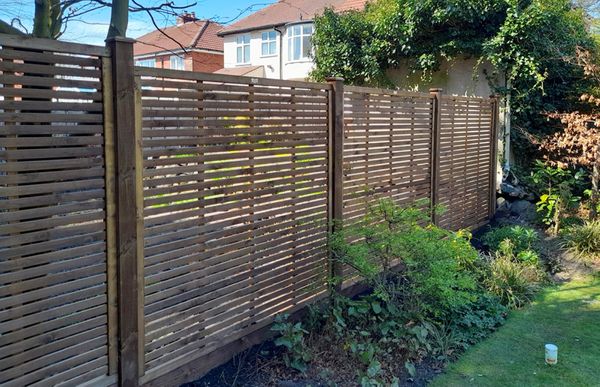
186,17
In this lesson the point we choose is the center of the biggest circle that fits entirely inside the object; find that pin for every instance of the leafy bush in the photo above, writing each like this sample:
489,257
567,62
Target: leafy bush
435,275
432,295
522,238
584,241
292,336
559,192
477,320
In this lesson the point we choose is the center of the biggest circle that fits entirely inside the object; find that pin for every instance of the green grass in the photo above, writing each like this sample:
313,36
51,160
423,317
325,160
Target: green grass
566,315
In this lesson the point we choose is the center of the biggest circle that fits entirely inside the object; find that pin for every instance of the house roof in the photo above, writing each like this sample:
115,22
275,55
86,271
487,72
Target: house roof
287,11
200,34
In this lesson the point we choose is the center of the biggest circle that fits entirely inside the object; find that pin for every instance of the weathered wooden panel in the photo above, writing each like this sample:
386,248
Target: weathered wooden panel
235,208
53,244
465,159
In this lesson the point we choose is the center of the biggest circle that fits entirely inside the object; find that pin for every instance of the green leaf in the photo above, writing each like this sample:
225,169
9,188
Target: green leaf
374,368
283,342
376,307
410,368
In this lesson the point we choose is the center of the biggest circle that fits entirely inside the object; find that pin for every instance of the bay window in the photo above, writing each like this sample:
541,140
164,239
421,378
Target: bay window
299,43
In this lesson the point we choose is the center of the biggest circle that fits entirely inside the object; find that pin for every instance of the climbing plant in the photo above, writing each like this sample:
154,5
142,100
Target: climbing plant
529,42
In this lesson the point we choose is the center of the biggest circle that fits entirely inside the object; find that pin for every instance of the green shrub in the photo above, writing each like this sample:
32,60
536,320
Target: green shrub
477,320
432,295
435,262
522,238
559,192
584,241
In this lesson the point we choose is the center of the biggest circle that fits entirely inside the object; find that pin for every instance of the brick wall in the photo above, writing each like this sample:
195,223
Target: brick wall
195,61
205,62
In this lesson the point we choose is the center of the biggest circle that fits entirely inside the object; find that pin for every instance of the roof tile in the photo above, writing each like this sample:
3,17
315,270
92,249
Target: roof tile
287,11
200,34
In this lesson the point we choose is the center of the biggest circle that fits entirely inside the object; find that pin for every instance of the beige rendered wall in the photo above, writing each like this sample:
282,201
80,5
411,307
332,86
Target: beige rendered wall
457,77
463,77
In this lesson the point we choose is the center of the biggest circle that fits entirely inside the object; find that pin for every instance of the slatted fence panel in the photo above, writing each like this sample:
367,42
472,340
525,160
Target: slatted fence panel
465,161
235,208
387,148
53,249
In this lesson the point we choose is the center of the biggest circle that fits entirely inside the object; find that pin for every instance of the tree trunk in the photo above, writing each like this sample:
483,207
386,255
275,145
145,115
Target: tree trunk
47,21
118,19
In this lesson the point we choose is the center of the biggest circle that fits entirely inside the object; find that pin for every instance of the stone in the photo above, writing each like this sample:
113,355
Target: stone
523,209
501,203
512,190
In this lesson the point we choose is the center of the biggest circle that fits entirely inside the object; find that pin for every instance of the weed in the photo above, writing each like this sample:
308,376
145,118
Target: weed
292,336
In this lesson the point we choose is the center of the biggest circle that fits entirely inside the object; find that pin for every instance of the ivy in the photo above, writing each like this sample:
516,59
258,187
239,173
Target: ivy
528,41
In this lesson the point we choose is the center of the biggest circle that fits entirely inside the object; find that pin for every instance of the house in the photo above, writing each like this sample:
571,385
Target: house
275,42
191,45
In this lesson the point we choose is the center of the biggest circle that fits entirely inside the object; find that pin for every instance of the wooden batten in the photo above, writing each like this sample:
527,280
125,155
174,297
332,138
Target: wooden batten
436,113
129,212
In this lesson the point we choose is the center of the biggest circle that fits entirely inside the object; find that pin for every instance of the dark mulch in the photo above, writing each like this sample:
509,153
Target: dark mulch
261,365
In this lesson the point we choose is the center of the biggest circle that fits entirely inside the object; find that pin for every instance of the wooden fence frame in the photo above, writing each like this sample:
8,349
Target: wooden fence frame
124,208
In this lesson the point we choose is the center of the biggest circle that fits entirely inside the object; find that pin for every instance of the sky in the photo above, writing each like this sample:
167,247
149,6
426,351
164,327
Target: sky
91,29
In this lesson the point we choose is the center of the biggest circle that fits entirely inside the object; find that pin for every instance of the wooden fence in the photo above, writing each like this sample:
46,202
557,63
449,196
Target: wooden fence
153,222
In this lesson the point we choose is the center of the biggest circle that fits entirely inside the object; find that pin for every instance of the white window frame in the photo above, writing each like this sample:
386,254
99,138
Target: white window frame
242,43
148,62
176,62
268,40
297,33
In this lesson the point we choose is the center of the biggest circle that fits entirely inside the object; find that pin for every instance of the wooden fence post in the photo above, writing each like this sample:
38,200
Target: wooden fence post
495,105
129,211
436,99
336,173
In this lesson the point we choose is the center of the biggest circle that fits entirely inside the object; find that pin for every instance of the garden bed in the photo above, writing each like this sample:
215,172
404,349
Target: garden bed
351,341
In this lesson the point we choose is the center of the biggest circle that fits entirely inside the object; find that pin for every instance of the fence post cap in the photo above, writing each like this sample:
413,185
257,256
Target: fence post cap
436,90
334,79
120,39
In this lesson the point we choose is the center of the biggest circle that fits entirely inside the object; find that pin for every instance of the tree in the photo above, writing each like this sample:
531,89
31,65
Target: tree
578,144
527,41
51,17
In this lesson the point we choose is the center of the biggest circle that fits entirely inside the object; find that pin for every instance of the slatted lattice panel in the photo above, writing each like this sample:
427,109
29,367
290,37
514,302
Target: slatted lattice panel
235,207
53,265
465,154
387,148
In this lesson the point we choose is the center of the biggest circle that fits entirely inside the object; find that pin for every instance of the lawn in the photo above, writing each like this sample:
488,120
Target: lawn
566,315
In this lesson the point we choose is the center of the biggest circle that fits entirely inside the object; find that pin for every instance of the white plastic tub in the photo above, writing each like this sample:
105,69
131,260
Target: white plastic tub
551,354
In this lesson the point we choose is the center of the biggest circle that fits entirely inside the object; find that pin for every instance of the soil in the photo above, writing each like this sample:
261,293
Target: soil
262,365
